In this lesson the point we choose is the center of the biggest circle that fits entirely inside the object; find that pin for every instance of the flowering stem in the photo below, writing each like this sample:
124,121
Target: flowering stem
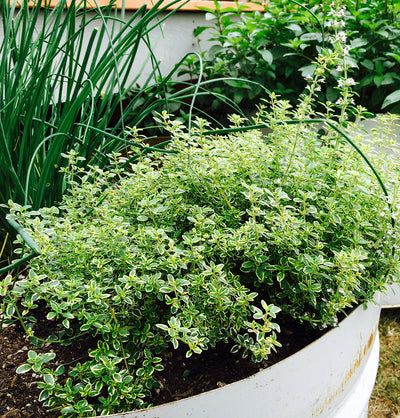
307,121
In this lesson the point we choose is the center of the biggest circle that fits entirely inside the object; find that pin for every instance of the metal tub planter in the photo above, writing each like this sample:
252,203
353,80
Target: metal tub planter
332,377
391,297
371,128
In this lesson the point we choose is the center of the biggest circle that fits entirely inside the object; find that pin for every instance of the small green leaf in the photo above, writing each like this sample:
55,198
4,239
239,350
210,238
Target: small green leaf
378,80
392,98
10,311
97,369
44,394
267,56
247,266
357,43
124,333
175,343
308,70
280,276
68,410
383,33
312,209
199,30
273,310
49,379
23,368
312,36
51,315
206,9
295,28
395,56
331,94
46,357
388,79
209,16
261,273
117,377
368,64
316,287
60,370
36,367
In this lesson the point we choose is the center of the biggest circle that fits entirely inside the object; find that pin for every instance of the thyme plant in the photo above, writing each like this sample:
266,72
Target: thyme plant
204,244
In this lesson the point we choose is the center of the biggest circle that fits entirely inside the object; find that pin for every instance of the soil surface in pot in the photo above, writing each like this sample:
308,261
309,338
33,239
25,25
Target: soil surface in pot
181,378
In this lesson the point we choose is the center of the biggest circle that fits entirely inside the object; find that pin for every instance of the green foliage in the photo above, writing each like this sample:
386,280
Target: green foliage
204,244
275,46
374,39
69,82
250,46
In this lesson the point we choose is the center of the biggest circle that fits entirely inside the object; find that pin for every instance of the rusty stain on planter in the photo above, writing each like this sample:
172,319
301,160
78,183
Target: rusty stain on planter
361,354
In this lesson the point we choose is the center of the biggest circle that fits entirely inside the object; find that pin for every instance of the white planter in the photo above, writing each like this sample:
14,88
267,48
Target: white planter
170,42
332,377
391,297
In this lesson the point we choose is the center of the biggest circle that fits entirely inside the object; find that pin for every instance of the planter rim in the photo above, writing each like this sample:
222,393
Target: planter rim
191,5
361,363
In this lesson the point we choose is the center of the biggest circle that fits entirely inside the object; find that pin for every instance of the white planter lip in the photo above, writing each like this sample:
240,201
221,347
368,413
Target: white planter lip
345,375
192,5
391,297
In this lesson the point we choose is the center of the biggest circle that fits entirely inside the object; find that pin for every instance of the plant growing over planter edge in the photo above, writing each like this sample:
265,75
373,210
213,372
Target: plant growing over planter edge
204,244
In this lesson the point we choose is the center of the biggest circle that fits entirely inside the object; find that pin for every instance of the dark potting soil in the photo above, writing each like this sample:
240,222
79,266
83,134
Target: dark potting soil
181,378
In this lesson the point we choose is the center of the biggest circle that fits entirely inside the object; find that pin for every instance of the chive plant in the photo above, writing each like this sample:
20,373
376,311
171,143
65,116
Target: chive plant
65,73
55,88
68,82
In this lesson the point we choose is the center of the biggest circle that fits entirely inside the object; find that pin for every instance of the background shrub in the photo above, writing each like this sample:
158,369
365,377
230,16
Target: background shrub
277,48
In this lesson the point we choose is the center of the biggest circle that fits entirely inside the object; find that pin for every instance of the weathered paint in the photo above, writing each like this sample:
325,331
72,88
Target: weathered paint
359,358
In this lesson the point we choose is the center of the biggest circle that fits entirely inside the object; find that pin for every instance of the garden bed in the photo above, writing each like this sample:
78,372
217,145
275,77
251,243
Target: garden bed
182,377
